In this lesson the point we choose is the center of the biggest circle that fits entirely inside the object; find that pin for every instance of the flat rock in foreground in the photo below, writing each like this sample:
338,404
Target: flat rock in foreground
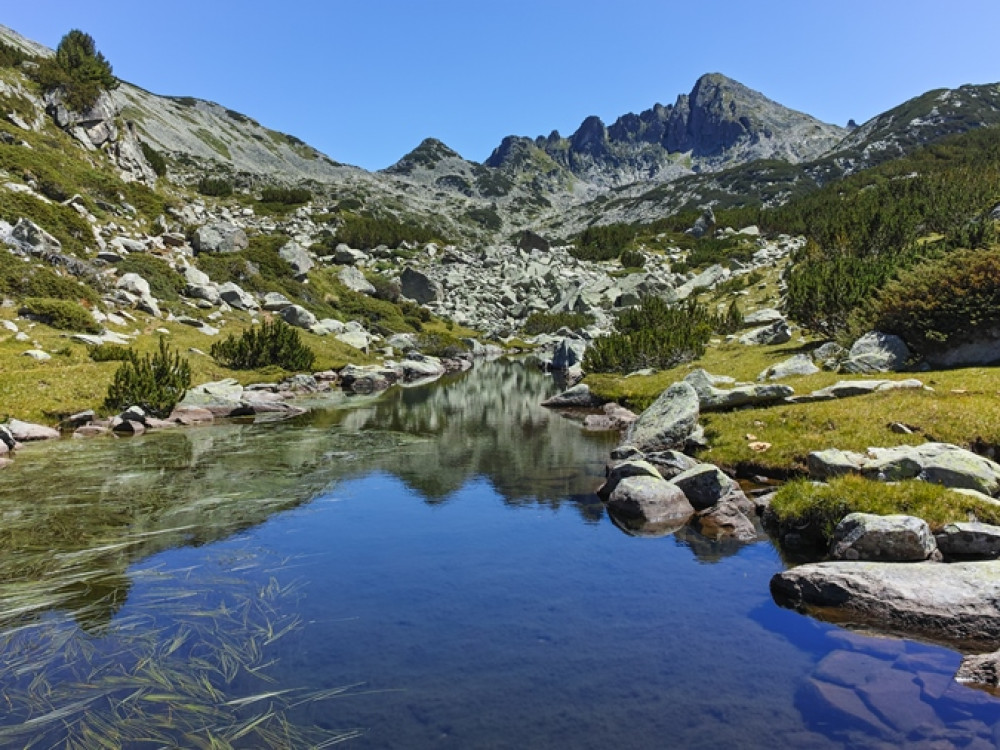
955,602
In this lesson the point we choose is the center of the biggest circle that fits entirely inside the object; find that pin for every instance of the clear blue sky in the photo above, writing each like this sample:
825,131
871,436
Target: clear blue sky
366,80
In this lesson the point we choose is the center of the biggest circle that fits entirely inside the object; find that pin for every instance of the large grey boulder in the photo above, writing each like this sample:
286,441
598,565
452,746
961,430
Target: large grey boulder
705,280
419,286
775,333
220,237
671,463
630,467
725,519
299,317
275,302
706,484
345,255
953,602
199,286
834,462
668,422
849,388
234,296
353,279
711,398
297,257
418,366
970,540
365,379
34,237
579,396
649,500
895,538
763,317
800,364
24,432
877,352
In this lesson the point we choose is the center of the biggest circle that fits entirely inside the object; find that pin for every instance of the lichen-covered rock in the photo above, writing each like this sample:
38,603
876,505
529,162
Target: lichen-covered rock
650,500
800,364
220,237
776,333
877,352
668,422
579,396
633,467
895,538
970,540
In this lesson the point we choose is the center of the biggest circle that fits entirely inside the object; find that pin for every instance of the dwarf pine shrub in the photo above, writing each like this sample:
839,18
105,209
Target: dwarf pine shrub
63,314
154,382
270,343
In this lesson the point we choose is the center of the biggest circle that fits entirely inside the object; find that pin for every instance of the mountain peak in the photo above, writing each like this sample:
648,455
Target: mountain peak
426,156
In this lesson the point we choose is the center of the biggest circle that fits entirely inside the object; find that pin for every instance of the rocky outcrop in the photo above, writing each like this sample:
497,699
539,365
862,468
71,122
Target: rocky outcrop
939,463
769,335
419,287
711,398
669,422
896,538
954,602
877,352
220,237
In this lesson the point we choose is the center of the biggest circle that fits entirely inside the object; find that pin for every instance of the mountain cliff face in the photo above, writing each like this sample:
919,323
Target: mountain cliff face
718,124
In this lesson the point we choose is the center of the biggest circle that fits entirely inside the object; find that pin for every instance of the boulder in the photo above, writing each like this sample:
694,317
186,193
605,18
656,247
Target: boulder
848,388
220,237
354,280
199,286
275,302
706,484
895,538
421,367
764,317
969,539
366,379
630,467
419,286
614,417
954,602
668,422
234,296
298,316
940,463
649,500
800,364
711,398
579,396
297,257
876,352
671,463
347,256
34,237
724,520
775,333
23,432
358,339
833,462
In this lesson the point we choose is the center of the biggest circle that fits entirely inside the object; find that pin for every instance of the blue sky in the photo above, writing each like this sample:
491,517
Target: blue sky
365,81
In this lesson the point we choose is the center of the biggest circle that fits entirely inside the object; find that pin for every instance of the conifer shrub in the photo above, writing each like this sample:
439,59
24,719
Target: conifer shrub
79,70
285,196
215,187
656,334
271,343
441,345
632,259
155,159
20,279
542,322
109,353
366,232
941,303
153,382
63,314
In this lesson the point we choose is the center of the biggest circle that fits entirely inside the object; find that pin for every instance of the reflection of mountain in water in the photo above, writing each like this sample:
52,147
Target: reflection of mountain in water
75,514
489,423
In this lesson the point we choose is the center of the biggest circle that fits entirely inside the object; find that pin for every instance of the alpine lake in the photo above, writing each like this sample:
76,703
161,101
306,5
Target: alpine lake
427,568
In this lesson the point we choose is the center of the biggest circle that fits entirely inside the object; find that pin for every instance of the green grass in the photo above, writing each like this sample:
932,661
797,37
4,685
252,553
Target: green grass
801,503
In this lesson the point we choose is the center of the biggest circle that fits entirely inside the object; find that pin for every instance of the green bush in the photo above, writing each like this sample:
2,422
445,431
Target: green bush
155,159
59,313
366,232
632,259
153,382
941,303
541,322
441,345
216,187
285,196
20,279
603,242
656,334
270,343
109,353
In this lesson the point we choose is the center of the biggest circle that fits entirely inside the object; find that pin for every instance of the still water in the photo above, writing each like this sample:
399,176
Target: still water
429,568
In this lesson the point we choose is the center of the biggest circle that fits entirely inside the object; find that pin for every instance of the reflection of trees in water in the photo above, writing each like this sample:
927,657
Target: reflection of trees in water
489,423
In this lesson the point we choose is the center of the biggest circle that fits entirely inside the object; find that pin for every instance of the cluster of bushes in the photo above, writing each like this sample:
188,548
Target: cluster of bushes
154,382
441,345
656,334
63,314
11,57
605,242
78,69
20,279
109,353
366,232
941,302
542,322
285,196
216,187
269,344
